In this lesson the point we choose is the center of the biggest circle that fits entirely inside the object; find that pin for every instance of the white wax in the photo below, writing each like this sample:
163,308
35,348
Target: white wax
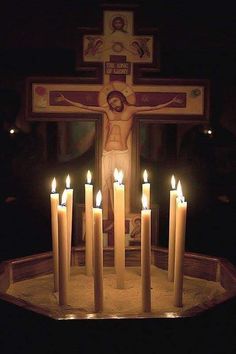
119,233
63,255
89,228
146,259
54,198
172,227
69,206
181,210
98,259
146,192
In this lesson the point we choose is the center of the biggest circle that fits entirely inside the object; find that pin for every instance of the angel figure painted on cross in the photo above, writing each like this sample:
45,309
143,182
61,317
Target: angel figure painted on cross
118,112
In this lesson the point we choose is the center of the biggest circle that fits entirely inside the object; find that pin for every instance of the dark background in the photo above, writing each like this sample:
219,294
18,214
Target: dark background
197,40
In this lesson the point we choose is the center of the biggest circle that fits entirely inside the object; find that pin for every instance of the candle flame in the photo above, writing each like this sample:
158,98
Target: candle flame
120,177
68,181
54,185
116,174
89,177
98,199
63,197
144,201
179,192
145,176
173,183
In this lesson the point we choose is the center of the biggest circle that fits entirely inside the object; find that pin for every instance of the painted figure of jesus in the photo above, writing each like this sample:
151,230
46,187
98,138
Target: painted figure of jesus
118,116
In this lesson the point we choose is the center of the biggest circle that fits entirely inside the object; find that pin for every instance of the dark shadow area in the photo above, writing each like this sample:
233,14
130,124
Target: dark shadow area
210,333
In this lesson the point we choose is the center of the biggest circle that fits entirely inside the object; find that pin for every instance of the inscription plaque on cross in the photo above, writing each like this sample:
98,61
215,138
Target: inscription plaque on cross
117,98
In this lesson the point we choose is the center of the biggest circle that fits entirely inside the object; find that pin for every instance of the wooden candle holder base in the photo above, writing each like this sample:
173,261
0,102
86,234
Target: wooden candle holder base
198,266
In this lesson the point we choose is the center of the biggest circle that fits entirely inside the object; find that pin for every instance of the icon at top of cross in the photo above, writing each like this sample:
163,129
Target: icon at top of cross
118,47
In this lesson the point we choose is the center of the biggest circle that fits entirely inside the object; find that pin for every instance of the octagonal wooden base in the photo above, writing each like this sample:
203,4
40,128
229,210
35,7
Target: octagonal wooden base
195,265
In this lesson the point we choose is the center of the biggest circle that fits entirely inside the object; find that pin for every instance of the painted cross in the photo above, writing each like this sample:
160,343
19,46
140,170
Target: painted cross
119,97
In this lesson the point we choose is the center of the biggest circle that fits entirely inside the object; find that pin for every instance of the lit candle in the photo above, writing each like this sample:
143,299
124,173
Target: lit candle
54,198
172,223
146,255
119,230
63,251
116,176
146,188
98,254
181,209
89,225
69,205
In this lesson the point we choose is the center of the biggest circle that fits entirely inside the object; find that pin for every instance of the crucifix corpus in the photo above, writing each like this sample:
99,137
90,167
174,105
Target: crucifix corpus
120,55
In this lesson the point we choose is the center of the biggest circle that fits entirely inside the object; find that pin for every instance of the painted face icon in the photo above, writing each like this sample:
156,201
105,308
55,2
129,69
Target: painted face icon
118,24
116,104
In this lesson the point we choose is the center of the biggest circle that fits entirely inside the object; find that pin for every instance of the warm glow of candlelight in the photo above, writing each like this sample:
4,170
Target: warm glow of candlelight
54,185
68,181
98,199
145,176
63,197
144,201
173,183
89,177
116,174
120,177
179,192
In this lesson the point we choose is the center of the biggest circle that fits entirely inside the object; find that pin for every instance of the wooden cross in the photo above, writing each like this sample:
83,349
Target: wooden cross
117,94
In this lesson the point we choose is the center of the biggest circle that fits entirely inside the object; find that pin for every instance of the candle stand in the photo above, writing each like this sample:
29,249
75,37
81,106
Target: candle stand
195,265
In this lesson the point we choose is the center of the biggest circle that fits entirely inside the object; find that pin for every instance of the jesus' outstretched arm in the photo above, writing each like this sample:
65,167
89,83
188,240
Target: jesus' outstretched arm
138,109
62,98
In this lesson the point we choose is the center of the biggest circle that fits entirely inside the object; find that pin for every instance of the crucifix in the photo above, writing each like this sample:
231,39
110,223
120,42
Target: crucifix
117,95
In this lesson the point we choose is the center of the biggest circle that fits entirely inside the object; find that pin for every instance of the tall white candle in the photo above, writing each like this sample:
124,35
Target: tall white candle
69,206
181,210
54,199
63,251
89,225
98,254
146,188
146,255
119,229
172,223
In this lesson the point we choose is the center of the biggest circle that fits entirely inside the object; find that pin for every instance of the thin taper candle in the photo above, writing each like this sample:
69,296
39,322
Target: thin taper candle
89,225
98,255
119,229
54,199
69,205
63,251
146,256
181,209
172,228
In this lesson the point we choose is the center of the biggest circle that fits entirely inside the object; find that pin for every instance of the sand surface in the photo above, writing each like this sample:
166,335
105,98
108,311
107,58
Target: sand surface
39,291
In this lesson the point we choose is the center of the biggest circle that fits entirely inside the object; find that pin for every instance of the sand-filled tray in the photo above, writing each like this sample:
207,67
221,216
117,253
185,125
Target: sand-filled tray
28,282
